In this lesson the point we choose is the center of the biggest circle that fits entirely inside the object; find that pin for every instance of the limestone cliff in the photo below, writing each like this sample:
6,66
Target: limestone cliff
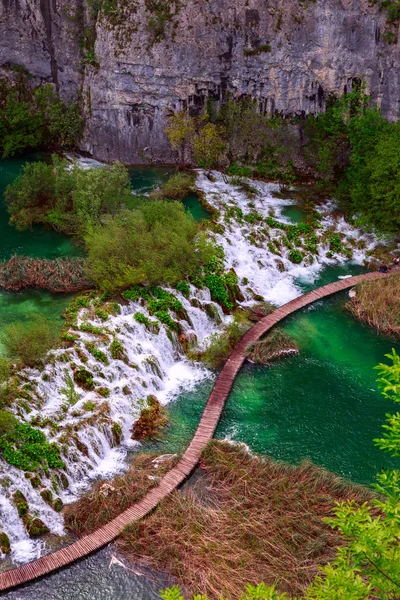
155,57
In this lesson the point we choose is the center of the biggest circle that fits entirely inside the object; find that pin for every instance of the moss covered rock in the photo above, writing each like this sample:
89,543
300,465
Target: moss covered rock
5,545
116,431
21,503
58,504
151,420
35,526
47,496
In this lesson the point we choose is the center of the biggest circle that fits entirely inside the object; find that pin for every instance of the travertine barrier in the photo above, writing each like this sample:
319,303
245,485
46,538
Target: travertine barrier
204,433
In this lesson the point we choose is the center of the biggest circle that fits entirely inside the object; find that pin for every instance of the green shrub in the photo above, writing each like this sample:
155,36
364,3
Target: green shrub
29,341
177,187
295,256
70,200
155,243
27,448
98,354
117,350
35,118
84,378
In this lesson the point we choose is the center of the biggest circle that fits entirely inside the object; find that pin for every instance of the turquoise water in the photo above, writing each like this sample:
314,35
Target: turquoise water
323,404
46,243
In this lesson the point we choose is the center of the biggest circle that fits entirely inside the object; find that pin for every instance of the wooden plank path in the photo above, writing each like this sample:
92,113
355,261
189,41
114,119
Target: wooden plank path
174,478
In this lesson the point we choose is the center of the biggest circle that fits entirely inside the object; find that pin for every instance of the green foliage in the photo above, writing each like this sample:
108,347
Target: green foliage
208,146
183,288
25,447
357,156
295,256
198,136
156,243
29,341
258,592
34,118
220,345
177,186
84,378
69,200
217,287
117,350
98,354
69,390
160,15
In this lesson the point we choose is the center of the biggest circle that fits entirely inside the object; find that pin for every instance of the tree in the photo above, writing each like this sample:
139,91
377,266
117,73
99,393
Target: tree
68,199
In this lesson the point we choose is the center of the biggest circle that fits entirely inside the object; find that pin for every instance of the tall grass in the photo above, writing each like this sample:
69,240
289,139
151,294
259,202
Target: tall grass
275,345
377,303
246,520
108,499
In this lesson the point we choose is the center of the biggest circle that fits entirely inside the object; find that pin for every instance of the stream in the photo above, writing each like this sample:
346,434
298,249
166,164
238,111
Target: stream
322,404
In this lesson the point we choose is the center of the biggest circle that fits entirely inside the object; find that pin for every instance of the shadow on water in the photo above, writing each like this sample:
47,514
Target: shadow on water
103,576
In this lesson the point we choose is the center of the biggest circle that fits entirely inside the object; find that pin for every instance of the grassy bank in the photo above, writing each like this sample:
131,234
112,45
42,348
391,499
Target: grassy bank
246,520
377,303
107,499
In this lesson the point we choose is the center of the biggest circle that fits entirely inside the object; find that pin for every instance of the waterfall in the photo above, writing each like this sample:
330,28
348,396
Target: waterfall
153,363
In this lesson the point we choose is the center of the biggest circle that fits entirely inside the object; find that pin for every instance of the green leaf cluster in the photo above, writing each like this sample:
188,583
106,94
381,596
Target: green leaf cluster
25,447
69,199
33,118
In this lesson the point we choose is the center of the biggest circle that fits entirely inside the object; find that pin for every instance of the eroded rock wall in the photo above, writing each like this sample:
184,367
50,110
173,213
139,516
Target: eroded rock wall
288,54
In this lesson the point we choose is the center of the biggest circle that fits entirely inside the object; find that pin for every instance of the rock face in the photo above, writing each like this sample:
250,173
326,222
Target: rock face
288,54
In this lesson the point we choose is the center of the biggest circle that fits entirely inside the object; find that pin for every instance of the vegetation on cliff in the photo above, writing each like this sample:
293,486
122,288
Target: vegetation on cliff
350,149
34,117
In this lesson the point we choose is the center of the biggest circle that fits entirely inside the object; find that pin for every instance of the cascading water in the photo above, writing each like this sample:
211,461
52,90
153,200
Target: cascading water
92,426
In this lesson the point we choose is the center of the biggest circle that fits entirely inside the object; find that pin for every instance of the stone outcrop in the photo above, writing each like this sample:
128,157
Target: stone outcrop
290,55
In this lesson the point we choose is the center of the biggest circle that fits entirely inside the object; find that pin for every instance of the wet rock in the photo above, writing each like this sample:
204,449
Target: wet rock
47,496
35,526
5,545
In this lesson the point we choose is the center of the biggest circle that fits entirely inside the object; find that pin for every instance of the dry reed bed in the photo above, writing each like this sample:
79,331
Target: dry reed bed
108,499
377,302
257,520
59,275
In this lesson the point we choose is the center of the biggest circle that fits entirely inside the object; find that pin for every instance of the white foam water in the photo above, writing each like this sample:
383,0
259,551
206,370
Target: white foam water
155,363
272,276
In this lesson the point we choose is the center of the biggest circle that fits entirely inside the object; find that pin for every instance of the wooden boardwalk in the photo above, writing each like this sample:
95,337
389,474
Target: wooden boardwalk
190,458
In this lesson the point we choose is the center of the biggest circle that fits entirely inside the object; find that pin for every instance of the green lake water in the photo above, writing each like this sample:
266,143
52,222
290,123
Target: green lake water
323,404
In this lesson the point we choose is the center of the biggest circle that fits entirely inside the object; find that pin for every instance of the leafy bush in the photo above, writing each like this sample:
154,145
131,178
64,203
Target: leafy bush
29,341
177,186
67,199
295,256
27,448
34,118
155,243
